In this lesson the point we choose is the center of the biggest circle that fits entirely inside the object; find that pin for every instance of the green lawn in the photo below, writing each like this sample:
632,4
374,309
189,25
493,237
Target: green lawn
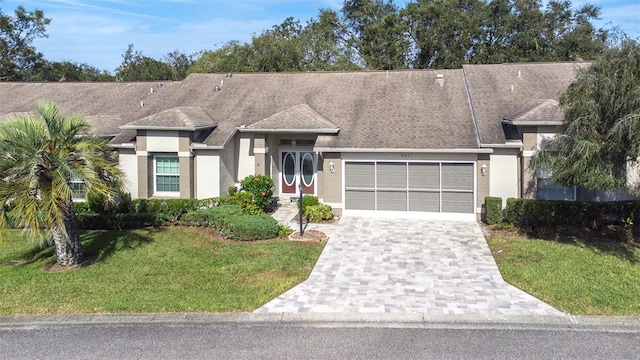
168,269
594,278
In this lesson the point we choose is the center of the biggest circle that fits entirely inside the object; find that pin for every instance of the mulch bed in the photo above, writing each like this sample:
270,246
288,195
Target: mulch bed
309,235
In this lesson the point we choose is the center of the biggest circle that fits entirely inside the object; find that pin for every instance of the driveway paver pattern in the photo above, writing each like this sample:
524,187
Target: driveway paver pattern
372,265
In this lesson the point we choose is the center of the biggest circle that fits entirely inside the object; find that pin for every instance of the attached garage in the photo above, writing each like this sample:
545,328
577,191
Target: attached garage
437,188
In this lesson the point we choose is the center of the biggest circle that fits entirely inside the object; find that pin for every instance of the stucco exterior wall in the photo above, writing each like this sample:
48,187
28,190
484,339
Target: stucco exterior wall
483,182
128,161
186,171
227,168
245,156
207,174
330,189
504,174
163,141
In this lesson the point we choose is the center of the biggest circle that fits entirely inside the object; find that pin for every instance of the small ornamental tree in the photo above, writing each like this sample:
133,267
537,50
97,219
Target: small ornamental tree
261,187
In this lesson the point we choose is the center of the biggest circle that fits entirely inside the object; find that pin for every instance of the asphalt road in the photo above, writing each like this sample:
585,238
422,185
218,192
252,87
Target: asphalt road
314,340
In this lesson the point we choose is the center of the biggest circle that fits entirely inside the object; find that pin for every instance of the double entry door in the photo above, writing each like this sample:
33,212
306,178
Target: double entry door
298,167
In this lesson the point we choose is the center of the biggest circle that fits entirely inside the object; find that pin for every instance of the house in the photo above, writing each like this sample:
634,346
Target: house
424,143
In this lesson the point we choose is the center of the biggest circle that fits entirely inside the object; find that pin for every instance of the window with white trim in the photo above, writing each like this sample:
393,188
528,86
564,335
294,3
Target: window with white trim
167,174
78,188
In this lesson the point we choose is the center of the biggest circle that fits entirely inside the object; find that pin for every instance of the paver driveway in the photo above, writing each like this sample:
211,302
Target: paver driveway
406,266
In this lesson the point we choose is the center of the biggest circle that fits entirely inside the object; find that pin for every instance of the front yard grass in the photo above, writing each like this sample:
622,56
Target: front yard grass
582,278
169,269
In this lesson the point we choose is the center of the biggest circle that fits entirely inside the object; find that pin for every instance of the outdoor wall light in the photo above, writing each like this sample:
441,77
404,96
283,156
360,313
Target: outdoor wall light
332,167
483,170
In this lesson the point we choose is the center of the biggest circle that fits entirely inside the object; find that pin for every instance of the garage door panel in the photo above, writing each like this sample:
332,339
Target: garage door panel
432,187
392,200
360,174
456,202
360,199
424,201
391,175
424,176
457,176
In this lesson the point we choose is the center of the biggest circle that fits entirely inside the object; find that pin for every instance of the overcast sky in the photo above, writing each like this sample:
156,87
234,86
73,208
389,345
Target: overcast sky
97,32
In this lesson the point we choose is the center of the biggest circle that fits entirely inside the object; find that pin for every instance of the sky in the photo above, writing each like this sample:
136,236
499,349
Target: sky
97,32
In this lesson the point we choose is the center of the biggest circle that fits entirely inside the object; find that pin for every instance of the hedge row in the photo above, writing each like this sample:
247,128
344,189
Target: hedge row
493,210
172,208
535,213
233,224
120,221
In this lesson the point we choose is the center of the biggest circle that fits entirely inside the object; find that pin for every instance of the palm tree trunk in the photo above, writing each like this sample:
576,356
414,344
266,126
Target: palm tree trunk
69,249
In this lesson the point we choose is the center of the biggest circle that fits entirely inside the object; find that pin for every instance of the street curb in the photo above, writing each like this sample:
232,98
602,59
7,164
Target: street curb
407,320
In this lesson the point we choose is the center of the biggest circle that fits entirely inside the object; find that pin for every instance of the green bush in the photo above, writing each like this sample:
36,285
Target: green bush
261,187
232,190
250,227
308,200
319,212
81,207
493,210
216,217
92,221
172,208
530,213
284,230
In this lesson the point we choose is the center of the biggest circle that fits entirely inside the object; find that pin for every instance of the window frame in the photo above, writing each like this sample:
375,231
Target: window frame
157,192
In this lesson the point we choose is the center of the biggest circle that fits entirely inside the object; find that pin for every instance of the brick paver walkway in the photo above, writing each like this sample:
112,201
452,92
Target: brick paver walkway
404,266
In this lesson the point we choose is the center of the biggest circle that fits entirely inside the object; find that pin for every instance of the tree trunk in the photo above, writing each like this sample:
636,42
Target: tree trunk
67,241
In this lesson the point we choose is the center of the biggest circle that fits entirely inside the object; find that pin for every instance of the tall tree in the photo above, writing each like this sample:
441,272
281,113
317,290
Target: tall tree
444,33
66,71
137,67
230,57
323,47
377,31
17,32
602,115
179,63
39,156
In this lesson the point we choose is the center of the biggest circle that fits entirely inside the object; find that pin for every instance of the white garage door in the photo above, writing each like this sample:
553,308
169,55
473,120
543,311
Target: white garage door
435,187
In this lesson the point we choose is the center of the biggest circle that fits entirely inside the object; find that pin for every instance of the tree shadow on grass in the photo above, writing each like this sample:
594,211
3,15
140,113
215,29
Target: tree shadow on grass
601,241
103,244
100,244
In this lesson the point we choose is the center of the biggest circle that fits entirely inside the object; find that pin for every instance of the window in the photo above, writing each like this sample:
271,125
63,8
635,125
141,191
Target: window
167,174
78,189
546,190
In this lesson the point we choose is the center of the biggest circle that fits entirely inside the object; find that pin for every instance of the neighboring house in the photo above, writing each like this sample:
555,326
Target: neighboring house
427,143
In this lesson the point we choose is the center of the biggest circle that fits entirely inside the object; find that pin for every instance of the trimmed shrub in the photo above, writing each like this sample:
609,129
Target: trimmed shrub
216,217
232,190
531,213
308,200
172,208
250,227
493,210
261,187
318,212
125,221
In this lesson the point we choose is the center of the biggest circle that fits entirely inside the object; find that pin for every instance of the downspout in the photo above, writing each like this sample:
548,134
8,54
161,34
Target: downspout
473,111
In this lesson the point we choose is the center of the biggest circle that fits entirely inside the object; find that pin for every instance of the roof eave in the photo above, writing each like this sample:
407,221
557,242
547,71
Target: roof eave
537,123
405,150
166,128
289,131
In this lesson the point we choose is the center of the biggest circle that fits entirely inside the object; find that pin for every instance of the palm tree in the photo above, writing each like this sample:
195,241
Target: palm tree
39,155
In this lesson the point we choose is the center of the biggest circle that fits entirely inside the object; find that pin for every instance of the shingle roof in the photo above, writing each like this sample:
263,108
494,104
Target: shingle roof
523,91
410,109
299,117
178,118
